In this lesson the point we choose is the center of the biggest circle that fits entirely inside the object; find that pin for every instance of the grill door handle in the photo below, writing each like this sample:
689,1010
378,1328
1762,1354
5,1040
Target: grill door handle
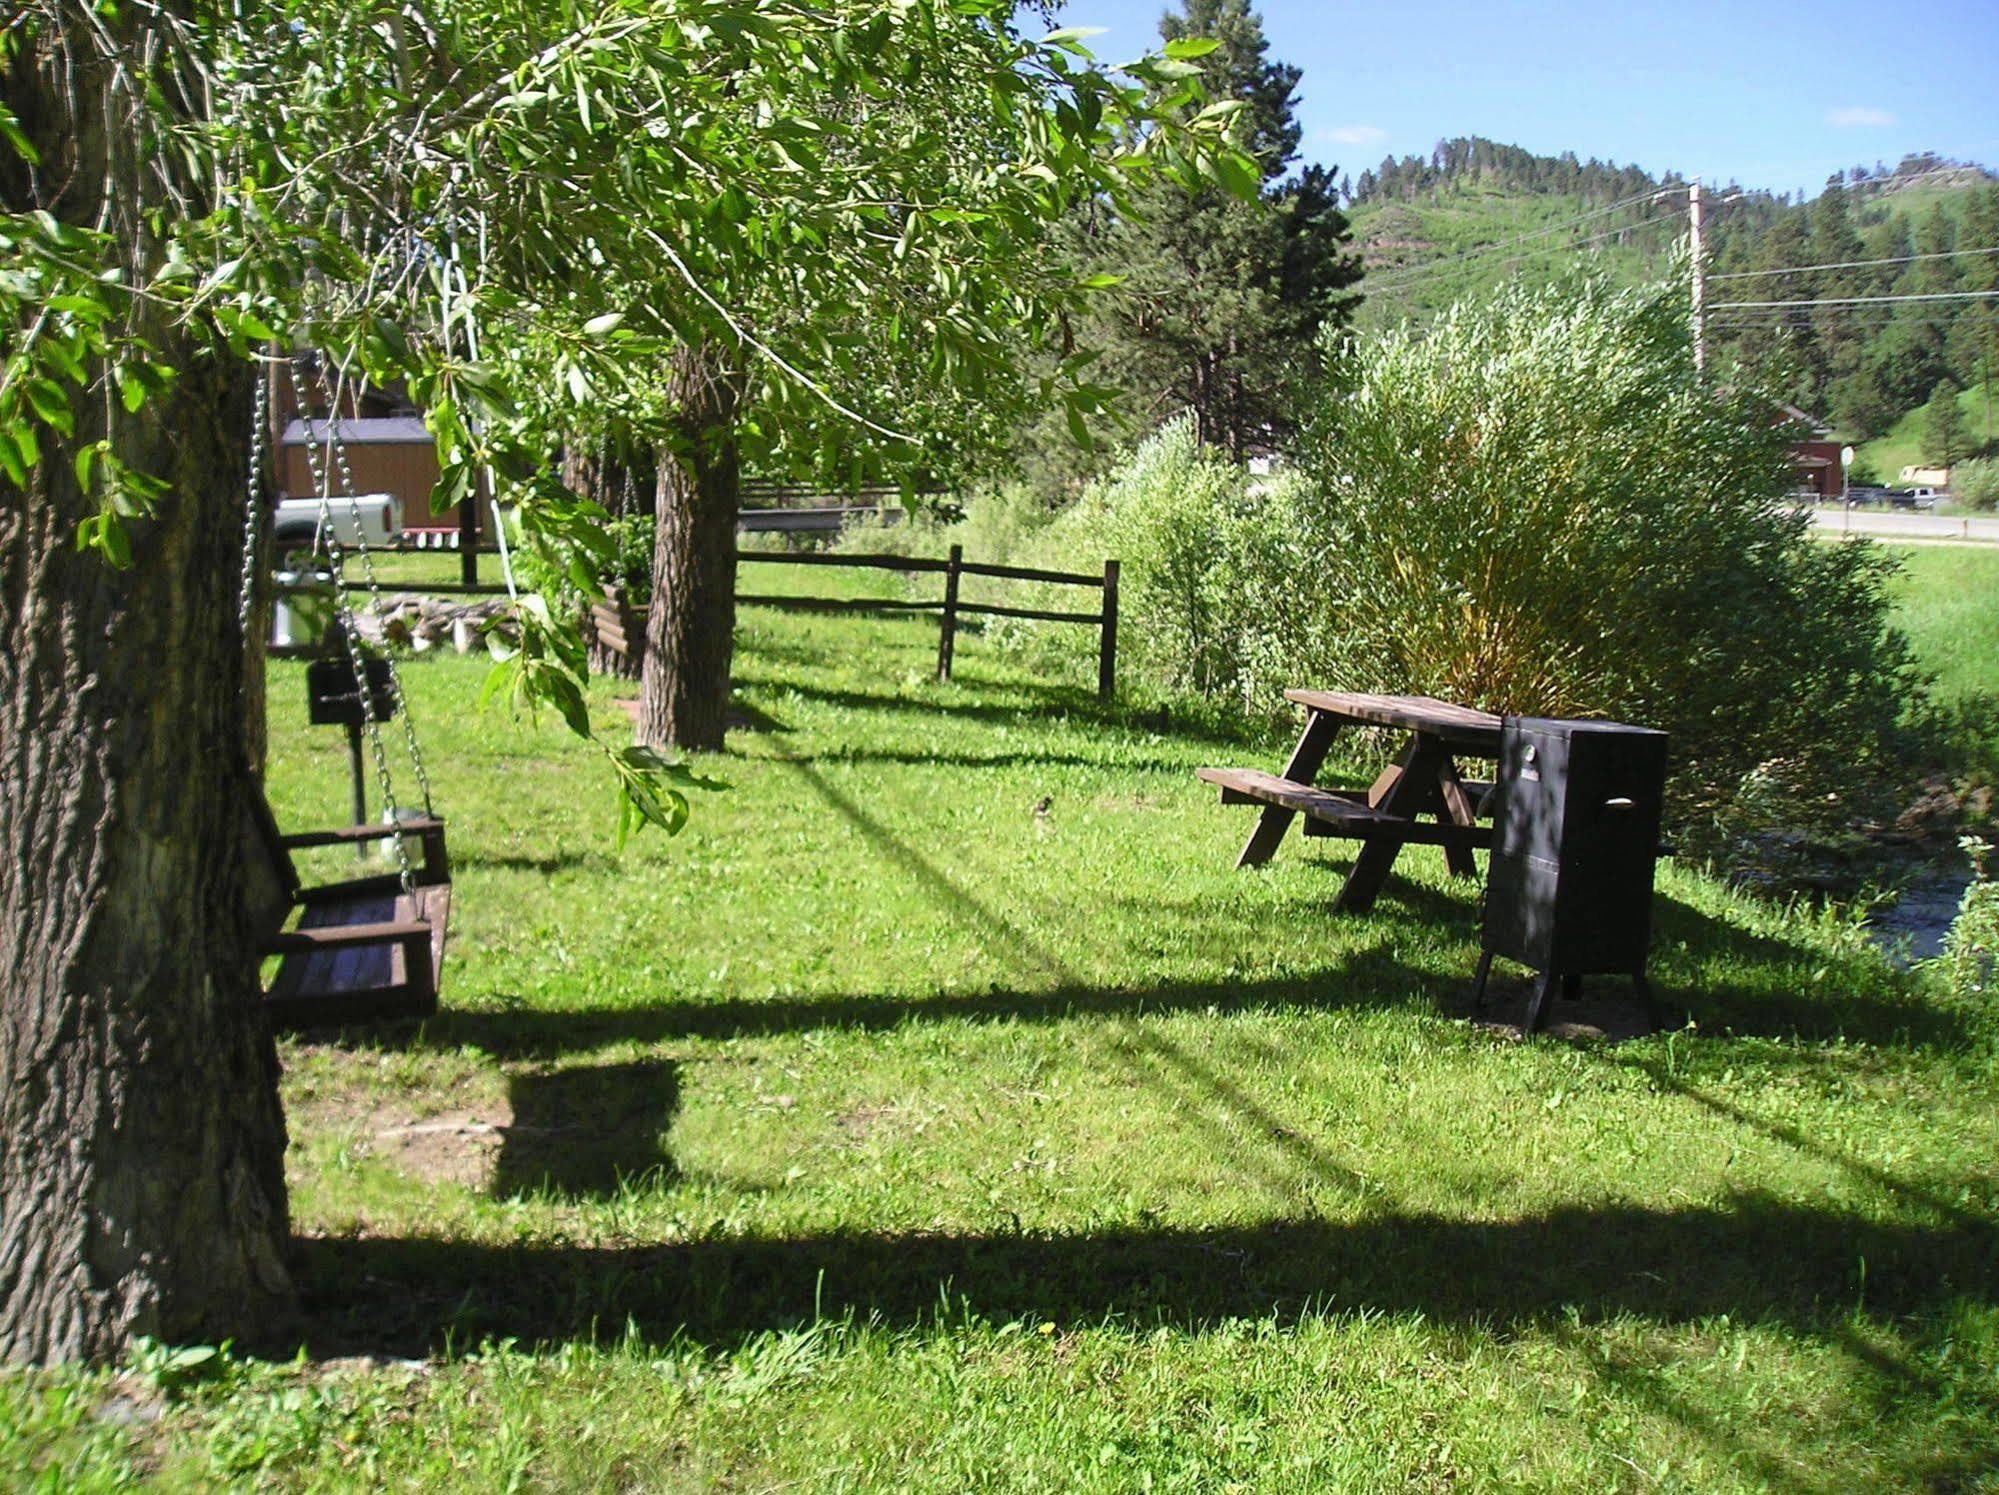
1620,803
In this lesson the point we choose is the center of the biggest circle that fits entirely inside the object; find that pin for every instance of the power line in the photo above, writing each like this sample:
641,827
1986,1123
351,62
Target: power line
1859,300
1897,180
1778,323
1402,287
1409,273
1900,259
1868,316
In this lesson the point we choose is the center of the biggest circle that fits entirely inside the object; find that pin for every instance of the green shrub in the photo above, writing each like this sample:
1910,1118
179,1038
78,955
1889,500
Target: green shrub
625,565
1200,545
1975,484
1534,506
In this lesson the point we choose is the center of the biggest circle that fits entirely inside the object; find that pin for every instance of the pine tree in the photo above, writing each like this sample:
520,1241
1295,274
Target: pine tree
1943,425
1223,300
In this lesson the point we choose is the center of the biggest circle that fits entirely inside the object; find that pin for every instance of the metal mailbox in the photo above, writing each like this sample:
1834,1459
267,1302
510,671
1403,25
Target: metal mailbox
1576,813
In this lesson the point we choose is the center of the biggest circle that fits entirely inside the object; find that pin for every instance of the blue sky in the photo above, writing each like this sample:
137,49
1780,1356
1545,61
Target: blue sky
1774,96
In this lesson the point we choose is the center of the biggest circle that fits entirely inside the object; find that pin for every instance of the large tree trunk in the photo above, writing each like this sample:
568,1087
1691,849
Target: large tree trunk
141,1139
691,627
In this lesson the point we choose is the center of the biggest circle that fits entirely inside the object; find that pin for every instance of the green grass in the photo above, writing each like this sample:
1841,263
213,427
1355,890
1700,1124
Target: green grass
1902,445
1948,604
942,1111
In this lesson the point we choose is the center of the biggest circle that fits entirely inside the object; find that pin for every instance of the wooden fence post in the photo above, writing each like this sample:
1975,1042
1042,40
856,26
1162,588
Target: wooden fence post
948,629
468,531
1107,644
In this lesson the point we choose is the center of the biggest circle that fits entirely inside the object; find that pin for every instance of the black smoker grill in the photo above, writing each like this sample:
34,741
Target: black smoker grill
1576,808
332,700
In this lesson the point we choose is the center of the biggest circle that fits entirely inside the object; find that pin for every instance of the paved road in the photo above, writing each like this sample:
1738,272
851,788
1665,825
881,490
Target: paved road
1891,524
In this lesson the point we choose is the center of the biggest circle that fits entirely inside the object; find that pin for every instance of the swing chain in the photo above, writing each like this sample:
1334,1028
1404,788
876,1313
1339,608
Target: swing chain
339,448
253,502
350,628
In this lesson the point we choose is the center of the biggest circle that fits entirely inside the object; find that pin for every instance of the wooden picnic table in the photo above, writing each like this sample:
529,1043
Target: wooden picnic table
1388,814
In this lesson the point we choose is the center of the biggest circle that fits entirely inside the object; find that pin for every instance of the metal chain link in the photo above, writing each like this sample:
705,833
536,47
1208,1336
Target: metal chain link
339,447
252,503
337,555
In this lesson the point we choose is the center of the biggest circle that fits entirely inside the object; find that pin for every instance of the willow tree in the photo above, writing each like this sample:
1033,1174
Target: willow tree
479,198
870,291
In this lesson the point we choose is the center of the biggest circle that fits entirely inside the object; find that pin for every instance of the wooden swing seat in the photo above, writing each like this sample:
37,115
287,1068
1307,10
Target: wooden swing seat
363,950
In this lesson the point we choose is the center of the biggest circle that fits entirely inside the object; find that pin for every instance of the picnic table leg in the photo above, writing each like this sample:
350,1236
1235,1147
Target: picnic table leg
1409,794
1455,807
1306,760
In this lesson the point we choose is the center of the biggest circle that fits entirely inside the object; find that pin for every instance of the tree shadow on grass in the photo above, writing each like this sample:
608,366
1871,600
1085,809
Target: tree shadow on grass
585,1132
1371,978
1029,702
1814,1271
574,860
1737,982
1108,759
1699,968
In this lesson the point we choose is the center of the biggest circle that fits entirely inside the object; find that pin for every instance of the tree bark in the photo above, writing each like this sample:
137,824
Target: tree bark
141,1138
691,625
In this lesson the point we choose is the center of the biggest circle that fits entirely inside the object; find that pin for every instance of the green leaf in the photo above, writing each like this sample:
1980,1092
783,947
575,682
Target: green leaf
1079,429
1238,175
1070,39
112,540
1187,48
51,404
10,129
12,459
600,326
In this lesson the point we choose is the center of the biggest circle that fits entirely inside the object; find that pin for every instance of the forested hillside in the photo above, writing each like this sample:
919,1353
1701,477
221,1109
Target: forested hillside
1474,214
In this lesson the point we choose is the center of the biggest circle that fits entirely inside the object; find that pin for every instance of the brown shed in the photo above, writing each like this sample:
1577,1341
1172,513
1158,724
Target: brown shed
388,454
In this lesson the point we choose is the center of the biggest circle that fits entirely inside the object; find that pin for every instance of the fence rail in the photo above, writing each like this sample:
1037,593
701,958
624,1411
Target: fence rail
950,609
618,630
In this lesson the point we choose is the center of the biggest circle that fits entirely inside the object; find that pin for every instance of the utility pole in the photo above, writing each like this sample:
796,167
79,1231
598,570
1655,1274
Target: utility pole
1699,277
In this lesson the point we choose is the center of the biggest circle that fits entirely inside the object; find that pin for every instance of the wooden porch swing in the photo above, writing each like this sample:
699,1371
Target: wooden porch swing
367,948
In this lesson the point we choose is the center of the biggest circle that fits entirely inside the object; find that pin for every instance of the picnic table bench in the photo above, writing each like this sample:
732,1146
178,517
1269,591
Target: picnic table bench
1387,815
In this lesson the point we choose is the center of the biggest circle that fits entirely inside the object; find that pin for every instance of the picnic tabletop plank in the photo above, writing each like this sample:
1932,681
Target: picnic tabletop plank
1461,725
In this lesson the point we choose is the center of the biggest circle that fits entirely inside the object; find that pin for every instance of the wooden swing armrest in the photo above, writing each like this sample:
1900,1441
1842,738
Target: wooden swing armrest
410,932
350,835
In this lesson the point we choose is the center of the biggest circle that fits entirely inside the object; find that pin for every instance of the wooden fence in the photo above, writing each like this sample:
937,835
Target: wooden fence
618,630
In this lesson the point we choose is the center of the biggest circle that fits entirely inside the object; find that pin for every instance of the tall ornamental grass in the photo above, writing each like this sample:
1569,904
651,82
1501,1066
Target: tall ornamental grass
1534,506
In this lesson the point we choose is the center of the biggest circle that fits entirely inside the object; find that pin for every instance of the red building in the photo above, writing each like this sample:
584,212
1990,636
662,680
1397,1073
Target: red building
1816,457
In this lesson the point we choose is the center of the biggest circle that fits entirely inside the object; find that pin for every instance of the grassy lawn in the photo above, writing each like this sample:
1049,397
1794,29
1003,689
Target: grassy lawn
1949,606
942,1111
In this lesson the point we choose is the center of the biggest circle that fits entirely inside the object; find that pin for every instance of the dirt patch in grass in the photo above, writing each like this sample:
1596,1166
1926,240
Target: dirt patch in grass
451,1132
457,1148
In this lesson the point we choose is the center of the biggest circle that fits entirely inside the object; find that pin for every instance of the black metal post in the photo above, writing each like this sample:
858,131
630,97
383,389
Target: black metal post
948,628
468,532
355,767
1107,642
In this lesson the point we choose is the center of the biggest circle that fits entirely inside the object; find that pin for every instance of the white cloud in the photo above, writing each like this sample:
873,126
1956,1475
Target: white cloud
1859,117
1354,135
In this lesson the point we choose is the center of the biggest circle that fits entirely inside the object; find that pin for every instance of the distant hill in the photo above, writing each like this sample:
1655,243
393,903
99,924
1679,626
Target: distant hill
1475,213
